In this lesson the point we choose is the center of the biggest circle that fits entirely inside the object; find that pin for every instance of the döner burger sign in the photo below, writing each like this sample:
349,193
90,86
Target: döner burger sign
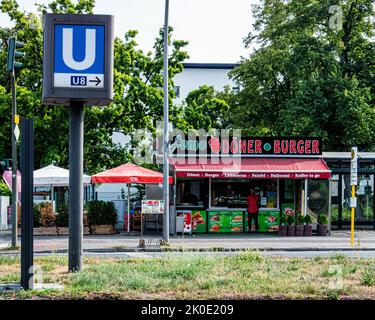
250,146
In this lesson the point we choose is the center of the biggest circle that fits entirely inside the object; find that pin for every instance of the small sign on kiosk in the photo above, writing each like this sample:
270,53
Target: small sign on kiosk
152,208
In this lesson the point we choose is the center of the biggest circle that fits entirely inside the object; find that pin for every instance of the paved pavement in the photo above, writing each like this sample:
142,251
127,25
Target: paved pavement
338,241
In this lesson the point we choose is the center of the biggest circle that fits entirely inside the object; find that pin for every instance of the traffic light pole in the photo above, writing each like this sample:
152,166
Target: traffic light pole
75,185
14,164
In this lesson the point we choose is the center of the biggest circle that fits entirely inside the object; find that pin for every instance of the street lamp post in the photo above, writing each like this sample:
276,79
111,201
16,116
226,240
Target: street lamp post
165,131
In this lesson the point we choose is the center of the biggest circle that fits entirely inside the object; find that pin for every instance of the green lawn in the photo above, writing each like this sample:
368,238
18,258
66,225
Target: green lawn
194,276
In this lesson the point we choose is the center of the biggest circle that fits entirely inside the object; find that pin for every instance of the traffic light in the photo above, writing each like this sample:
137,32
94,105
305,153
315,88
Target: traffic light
5,164
13,54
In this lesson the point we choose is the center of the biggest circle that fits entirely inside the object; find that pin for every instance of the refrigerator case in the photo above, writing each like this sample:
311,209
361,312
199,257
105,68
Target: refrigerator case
187,219
225,221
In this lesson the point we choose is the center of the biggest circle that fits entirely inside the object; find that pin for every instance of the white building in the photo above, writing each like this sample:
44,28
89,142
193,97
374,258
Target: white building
196,75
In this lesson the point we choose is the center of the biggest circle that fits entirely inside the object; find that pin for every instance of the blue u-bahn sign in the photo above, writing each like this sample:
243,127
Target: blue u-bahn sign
78,59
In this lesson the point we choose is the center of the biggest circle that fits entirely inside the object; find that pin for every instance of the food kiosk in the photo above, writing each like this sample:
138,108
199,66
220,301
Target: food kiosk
212,186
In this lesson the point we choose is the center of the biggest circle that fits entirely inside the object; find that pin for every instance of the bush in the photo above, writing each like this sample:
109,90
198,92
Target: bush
283,219
291,220
300,219
47,216
308,219
4,190
101,213
36,208
322,219
62,217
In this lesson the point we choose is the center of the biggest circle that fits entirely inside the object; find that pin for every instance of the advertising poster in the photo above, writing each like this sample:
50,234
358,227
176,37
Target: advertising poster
269,221
199,221
225,221
187,220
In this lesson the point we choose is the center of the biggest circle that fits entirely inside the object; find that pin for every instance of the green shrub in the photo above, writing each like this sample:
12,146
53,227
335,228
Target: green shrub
283,219
36,208
322,219
308,219
300,219
4,190
291,220
101,212
62,216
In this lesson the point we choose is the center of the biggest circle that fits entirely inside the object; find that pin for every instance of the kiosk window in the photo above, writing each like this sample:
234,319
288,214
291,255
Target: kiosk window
232,194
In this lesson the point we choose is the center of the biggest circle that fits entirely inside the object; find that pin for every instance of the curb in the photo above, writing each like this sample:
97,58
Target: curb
165,250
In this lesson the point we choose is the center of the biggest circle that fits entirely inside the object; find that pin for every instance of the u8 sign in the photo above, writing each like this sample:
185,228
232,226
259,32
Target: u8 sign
78,59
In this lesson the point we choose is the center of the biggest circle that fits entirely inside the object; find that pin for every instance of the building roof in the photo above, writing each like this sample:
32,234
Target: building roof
347,155
189,65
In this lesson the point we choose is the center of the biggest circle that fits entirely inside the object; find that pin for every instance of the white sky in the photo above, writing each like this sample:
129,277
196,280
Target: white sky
214,28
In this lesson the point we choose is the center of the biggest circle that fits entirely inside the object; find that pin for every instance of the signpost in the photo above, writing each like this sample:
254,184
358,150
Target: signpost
353,183
77,71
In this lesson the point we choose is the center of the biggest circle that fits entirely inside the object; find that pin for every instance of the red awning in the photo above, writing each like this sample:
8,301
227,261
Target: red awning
129,173
251,168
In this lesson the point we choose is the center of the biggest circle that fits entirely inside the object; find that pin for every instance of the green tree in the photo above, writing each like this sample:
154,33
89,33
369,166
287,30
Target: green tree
205,108
307,77
138,100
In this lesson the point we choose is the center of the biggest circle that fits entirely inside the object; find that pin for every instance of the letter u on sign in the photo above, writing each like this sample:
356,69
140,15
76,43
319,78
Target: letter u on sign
67,49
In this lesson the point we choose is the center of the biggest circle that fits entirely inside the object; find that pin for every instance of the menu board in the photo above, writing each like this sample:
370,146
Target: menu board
225,221
199,221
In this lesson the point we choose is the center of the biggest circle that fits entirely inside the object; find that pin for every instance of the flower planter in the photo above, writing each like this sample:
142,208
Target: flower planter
322,230
102,229
282,231
299,230
291,230
50,231
63,231
307,232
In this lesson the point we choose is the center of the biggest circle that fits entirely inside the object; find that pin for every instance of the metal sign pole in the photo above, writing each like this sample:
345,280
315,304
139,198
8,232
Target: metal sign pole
27,216
166,131
75,185
353,183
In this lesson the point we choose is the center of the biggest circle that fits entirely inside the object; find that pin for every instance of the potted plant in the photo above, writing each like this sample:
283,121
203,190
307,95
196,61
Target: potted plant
308,227
322,225
283,225
299,225
291,226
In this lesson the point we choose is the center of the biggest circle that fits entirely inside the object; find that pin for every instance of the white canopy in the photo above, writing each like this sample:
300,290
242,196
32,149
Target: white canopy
55,176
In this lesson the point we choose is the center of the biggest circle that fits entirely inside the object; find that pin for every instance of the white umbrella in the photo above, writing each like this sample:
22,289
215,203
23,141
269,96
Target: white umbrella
55,177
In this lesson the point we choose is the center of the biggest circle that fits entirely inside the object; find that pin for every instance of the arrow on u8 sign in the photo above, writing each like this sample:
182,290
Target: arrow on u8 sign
78,59
79,56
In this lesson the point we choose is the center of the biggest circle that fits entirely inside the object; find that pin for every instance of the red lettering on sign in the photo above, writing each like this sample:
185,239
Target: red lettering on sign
258,146
300,147
250,146
315,147
284,146
234,146
307,146
276,146
292,145
243,146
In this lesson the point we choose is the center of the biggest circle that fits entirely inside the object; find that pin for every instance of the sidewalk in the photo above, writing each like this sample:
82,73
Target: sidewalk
338,241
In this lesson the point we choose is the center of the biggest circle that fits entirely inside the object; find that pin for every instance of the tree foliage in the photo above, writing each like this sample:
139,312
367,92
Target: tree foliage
138,100
307,78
